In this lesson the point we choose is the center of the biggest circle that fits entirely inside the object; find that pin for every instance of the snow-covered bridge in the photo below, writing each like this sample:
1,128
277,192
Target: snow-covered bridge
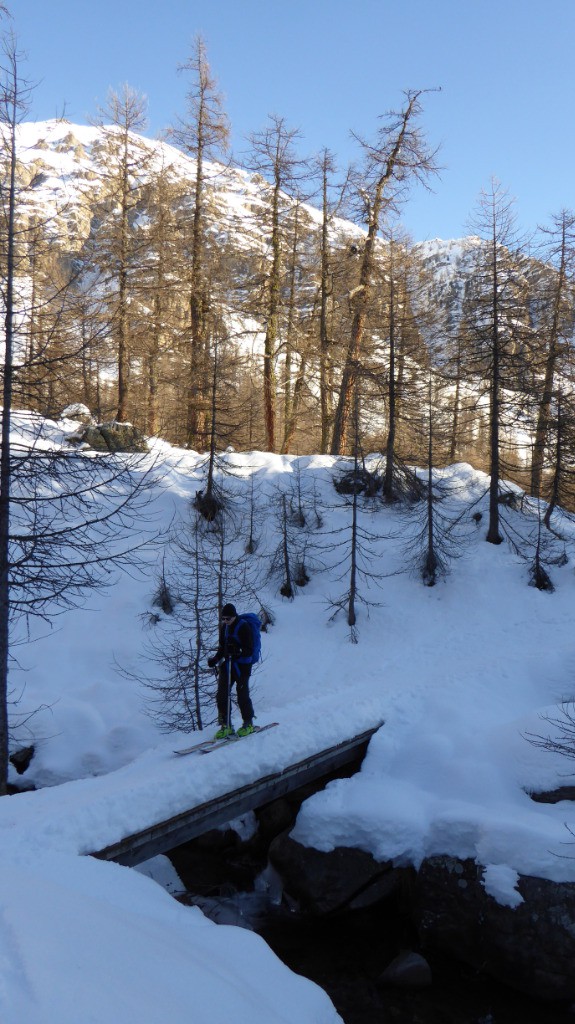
179,828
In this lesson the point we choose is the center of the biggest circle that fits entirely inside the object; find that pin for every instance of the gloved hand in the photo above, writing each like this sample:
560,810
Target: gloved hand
212,662
234,649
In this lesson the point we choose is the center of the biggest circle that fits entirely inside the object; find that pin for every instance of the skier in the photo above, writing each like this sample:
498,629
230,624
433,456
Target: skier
234,658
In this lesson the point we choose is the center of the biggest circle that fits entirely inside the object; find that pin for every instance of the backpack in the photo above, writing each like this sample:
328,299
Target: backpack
255,625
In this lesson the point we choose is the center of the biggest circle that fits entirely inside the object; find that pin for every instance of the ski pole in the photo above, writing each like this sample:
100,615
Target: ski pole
229,692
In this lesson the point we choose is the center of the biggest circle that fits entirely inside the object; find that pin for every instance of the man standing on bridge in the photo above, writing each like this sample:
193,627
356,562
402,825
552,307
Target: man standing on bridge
234,658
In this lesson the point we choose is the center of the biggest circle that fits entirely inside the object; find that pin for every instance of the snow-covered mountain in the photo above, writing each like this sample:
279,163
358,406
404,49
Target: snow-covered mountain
58,166
62,181
58,162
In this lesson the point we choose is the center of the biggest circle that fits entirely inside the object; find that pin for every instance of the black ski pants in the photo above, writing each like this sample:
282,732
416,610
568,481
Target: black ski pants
240,675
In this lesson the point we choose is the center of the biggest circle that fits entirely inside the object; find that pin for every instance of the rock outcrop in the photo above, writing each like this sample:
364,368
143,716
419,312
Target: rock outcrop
530,947
343,879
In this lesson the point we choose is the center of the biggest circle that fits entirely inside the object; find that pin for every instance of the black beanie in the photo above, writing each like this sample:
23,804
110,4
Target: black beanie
229,611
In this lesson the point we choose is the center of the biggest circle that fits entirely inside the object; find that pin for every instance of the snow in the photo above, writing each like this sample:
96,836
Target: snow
500,881
64,153
458,674
87,941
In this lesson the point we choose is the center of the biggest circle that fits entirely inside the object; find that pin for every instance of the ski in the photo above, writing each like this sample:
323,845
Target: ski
196,746
206,746
235,738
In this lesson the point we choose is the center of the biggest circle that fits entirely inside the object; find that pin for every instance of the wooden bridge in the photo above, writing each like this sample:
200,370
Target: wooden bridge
165,835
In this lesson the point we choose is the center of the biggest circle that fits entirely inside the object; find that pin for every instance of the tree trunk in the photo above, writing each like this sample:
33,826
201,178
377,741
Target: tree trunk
455,420
390,445
493,535
272,328
289,393
123,340
5,455
360,300
295,407
558,467
362,294
544,416
196,417
431,560
324,341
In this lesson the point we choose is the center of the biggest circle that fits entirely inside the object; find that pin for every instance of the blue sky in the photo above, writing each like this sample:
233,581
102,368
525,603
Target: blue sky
506,106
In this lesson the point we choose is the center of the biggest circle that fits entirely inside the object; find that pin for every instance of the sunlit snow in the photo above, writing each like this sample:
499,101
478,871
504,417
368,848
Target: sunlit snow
458,673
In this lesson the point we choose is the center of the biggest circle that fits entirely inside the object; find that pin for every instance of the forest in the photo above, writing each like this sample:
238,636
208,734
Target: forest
299,320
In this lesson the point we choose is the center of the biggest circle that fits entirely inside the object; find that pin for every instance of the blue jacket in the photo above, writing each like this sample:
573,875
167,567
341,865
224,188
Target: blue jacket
235,641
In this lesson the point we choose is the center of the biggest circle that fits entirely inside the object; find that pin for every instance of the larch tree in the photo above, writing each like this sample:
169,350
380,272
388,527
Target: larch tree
355,546
51,330
203,134
497,314
66,517
399,156
273,156
330,267
403,320
291,343
555,301
460,402
561,483
299,324
12,109
161,305
115,247
326,167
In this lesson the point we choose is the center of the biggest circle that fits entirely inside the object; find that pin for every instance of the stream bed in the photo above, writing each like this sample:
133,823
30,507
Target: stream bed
233,875
346,954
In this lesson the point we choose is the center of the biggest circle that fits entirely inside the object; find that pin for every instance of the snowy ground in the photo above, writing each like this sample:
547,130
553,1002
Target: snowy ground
458,673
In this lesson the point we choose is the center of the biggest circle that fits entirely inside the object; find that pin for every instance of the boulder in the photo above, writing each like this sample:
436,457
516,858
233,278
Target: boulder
113,437
554,796
77,411
530,947
407,970
21,758
274,818
343,879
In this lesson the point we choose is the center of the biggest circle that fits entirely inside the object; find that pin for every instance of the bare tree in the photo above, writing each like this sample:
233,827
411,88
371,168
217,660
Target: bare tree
211,501
404,324
355,552
203,133
297,515
332,199
399,156
432,534
187,602
562,463
12,107
122,158
273,156
74,518
561,736
202,569
497,316
326,166
160,319
555,300
66,517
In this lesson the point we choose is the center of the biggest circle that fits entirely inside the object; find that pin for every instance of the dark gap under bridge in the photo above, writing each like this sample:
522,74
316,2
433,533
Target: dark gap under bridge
165,835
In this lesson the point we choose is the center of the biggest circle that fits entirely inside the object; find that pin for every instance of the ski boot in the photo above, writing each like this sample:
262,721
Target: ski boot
245,729
224,731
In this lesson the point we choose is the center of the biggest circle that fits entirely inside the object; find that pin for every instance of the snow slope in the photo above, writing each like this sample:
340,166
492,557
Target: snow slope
459,673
